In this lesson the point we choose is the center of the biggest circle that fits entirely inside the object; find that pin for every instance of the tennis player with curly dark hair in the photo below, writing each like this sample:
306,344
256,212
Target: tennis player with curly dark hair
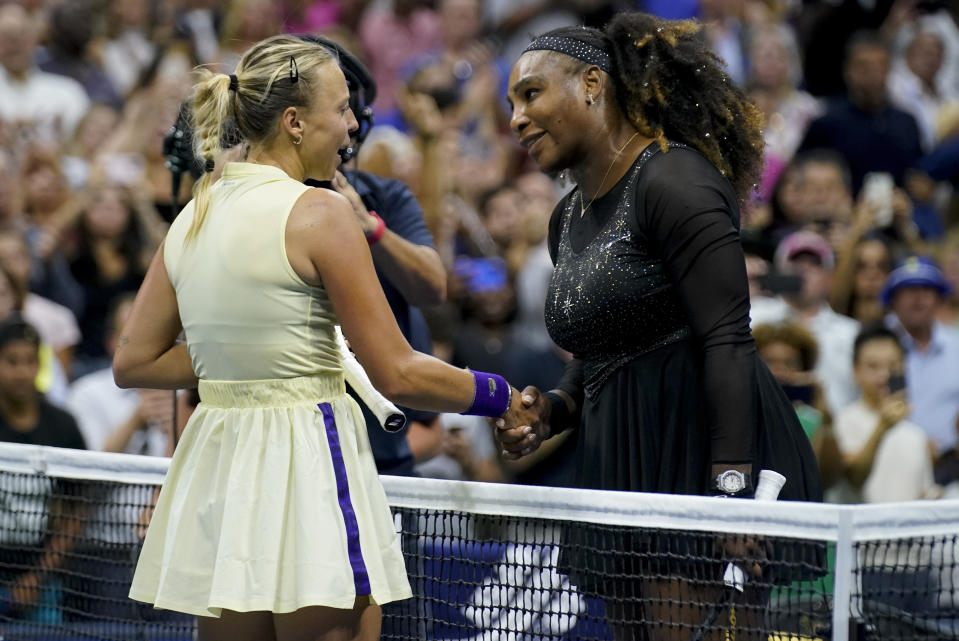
649,290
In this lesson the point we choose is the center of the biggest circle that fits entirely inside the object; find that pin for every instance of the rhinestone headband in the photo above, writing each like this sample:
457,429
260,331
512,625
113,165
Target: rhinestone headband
573,48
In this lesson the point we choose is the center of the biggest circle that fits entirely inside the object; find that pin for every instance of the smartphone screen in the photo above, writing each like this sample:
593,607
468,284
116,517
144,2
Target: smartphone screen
779,284
481,274
877,189
799,393
897,383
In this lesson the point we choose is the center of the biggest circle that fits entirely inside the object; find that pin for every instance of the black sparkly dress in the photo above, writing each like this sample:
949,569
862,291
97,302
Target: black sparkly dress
649,293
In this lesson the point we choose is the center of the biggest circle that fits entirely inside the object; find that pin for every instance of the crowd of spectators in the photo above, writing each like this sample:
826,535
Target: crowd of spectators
851,237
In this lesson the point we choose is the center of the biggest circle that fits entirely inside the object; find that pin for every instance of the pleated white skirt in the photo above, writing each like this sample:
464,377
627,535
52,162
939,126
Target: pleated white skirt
272,502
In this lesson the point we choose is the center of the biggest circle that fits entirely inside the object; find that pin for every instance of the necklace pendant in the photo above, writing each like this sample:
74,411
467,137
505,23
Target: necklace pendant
582,209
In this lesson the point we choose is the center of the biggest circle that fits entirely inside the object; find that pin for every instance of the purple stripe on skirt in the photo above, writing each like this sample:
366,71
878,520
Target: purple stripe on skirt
361,577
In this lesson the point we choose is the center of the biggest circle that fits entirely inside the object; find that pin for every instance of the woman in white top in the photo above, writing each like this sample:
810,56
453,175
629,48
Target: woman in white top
272,523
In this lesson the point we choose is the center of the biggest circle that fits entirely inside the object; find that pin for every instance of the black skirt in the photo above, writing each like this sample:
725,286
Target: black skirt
647,430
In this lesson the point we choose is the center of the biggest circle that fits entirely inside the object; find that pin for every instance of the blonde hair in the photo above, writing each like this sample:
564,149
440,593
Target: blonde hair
274,74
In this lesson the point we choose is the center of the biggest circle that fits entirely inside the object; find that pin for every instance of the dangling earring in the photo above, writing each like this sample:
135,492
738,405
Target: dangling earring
589,98
297,141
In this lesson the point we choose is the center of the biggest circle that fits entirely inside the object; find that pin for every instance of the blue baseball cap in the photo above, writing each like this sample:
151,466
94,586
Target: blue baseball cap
916,271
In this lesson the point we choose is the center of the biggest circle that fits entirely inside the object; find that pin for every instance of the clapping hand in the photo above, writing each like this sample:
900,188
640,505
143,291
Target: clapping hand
521,431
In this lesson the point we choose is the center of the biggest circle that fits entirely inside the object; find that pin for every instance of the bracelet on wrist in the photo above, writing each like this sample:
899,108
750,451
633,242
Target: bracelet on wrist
374,236
492,395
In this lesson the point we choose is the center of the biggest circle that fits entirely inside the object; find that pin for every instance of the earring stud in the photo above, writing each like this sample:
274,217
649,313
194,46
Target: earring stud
589,98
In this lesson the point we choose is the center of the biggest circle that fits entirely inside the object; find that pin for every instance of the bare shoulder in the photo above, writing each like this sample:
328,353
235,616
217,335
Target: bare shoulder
320,208
321,226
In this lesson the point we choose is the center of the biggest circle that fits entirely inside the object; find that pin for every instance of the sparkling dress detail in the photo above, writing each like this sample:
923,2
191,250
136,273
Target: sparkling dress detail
649,293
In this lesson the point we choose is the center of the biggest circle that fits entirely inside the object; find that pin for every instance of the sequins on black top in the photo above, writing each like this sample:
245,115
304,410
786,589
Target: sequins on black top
611,301
651,296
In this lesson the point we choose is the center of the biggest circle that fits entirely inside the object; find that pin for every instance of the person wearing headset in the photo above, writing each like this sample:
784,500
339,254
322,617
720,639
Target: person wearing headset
406,261
408,266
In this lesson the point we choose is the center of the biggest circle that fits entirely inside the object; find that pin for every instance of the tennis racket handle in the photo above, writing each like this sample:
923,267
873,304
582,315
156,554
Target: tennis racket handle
767,489
390,418
769,485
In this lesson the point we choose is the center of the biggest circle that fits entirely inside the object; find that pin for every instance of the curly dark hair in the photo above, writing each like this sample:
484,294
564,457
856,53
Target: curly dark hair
796,336
672,87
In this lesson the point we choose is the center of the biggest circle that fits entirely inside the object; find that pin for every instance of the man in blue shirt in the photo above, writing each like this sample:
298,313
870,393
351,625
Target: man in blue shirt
411,274
870,134
406,261
913,292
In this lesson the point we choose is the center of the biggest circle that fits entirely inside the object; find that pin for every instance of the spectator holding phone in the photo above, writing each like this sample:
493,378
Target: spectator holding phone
790,352
808,255
49,207
886,457
392,36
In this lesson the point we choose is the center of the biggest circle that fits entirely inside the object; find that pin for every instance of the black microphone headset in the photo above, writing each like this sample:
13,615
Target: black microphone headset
362,92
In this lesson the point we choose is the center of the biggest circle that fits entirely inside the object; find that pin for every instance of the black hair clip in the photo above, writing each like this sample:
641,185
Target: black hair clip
294,71
208,167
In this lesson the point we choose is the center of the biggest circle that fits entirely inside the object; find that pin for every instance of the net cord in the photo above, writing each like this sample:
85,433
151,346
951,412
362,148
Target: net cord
800,520
886,526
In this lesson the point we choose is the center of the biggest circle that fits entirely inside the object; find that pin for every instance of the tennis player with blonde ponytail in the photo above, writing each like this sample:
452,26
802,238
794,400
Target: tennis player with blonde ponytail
272,523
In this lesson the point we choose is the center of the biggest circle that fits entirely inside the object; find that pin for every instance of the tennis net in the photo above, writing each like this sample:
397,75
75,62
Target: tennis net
513,563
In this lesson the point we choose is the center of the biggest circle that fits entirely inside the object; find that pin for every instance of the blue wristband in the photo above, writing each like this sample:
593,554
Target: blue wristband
491,396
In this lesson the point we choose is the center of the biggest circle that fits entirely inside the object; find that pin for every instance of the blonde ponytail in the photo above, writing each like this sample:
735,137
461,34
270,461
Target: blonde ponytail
275,73
211,107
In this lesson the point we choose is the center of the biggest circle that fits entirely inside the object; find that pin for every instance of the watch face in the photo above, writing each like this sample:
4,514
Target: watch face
731,481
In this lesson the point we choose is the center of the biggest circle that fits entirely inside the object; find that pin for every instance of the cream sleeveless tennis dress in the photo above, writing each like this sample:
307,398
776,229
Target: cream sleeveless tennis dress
272,501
